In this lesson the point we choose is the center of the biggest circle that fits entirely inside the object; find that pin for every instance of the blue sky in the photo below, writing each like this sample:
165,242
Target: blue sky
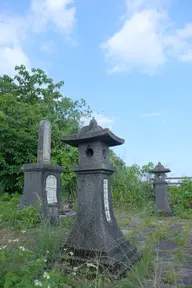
129,59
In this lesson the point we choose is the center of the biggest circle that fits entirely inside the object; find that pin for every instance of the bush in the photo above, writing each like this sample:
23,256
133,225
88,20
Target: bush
129,188
21,266
180,197
18,266
25,218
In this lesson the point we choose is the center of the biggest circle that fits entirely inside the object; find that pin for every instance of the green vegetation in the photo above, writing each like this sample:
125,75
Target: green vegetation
26,99
29,248
180,198
129,183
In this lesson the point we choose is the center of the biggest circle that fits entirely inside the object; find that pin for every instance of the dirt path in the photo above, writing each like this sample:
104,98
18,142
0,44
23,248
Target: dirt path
171,241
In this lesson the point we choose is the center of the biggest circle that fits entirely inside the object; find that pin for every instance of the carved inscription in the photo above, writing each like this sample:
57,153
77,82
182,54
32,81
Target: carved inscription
106,199
51,189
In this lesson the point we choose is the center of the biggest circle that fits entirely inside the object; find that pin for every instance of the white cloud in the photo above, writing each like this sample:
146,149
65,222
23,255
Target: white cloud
57,13
11,30
12,34
146,39
42,15
130,46
154,114
102,120
10,57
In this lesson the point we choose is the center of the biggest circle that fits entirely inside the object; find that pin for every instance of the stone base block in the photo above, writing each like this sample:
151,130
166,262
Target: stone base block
116,261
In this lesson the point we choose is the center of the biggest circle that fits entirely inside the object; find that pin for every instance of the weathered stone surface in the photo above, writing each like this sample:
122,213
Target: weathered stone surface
96,233
185,276
176,227
35,176
160,189
166,245
42,183
165,255
44,142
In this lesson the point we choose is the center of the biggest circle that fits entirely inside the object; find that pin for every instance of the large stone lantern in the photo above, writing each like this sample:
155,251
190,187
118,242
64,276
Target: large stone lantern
96,234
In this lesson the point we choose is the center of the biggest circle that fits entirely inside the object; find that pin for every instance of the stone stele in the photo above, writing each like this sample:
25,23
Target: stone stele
42,180
96,234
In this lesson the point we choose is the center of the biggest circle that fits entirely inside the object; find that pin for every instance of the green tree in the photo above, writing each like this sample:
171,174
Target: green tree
26,99
116,161
128,185
145,170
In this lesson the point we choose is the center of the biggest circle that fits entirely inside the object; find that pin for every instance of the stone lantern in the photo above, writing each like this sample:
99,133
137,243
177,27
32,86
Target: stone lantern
160,189
96,234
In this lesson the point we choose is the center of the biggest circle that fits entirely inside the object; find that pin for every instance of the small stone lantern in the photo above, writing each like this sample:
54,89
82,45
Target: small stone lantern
160,189
96,234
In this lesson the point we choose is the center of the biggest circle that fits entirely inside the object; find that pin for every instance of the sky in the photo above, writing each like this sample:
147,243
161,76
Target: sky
131,60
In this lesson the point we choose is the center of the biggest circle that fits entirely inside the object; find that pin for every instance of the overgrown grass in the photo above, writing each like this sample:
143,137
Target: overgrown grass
25,218
30,253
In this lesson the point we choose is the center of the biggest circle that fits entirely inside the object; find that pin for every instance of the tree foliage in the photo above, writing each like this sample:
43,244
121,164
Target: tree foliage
26,99
129,185
180,197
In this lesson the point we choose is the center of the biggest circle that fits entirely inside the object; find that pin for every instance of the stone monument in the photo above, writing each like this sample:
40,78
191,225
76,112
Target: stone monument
42,181
160,189
96,234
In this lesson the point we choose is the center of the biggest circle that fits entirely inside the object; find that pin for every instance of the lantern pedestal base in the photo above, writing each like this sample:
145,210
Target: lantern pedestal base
35,185
116,261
